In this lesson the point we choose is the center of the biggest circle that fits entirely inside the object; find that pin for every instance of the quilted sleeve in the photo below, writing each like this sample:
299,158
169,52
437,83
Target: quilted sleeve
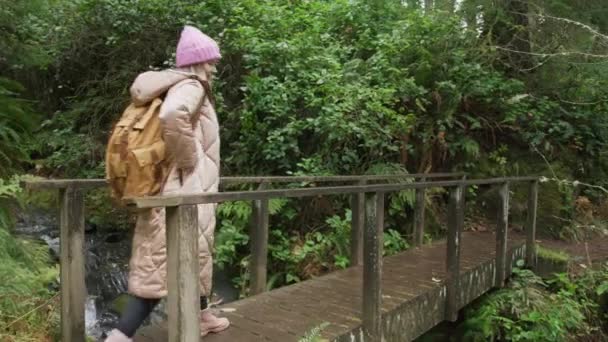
176,115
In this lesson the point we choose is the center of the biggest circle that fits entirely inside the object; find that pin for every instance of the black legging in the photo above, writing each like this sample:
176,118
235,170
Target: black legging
137,310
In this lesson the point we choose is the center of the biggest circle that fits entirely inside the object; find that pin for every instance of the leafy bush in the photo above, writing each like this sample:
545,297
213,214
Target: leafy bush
300,257
530,309
300,81
29,309
314,335
16,124
232,233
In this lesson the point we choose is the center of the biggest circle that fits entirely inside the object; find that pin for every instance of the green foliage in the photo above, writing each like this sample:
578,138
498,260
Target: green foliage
28,309
394,242
530,309
103,212
296,258
22,34
314,335
550,254
16,124
299,82
232,234
8,190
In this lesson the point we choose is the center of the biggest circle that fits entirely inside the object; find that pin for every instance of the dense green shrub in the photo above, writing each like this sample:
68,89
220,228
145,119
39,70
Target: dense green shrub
29,309
300,81
566,308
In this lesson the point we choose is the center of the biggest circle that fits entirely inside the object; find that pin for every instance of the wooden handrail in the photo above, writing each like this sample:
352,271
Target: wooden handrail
51,184
218,197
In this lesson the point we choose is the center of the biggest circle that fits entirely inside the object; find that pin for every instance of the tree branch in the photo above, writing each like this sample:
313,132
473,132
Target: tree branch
554,54
569,21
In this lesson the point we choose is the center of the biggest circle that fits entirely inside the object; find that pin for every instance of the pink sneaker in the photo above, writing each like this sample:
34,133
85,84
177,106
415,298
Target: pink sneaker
213,324
117,336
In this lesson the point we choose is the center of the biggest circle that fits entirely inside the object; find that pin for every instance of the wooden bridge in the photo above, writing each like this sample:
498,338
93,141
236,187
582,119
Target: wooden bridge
396,298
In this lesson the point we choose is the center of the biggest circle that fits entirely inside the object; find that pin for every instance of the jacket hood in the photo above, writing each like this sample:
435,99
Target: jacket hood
152,84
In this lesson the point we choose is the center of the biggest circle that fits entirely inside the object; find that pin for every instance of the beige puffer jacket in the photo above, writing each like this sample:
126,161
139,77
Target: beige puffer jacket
196,148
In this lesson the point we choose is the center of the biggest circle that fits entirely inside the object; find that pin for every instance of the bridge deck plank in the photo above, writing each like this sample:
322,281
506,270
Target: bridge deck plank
288,313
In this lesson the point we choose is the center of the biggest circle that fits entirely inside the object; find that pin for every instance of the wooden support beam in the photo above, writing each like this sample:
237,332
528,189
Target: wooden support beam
455,226
531,225
419,211
502,228
372,267
259,244
73,290
357,227
183,310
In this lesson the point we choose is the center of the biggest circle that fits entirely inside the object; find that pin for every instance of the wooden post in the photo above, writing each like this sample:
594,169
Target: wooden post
372,267
259,244
73,290
501,236
531,225
357,224
183,274
455,226
419,216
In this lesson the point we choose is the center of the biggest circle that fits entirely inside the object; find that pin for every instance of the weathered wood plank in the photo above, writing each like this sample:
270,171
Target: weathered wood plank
183,274
419,213
313,308
531,225
73,290
455,225
501,235
259,244
357,227
418,305
372,266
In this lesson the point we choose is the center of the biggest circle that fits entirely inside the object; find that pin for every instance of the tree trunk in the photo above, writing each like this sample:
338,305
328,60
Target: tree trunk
413,4
428,6
469,10
521,33
507,22
446,5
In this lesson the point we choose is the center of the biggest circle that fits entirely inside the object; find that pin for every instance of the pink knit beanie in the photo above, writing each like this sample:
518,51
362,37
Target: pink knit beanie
195,47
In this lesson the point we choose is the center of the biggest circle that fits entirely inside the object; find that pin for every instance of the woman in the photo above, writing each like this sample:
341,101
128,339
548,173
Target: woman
191,135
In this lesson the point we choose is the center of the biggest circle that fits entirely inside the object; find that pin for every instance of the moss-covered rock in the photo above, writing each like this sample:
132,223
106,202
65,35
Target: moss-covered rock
550,262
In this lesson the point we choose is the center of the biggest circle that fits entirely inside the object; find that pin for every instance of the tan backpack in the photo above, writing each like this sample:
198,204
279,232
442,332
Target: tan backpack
136,163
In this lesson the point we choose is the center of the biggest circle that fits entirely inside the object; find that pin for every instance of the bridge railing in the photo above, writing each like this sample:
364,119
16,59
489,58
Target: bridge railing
182,244
182,260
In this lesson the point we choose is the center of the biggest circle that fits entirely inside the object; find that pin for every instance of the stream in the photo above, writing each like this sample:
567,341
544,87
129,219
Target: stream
107,256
